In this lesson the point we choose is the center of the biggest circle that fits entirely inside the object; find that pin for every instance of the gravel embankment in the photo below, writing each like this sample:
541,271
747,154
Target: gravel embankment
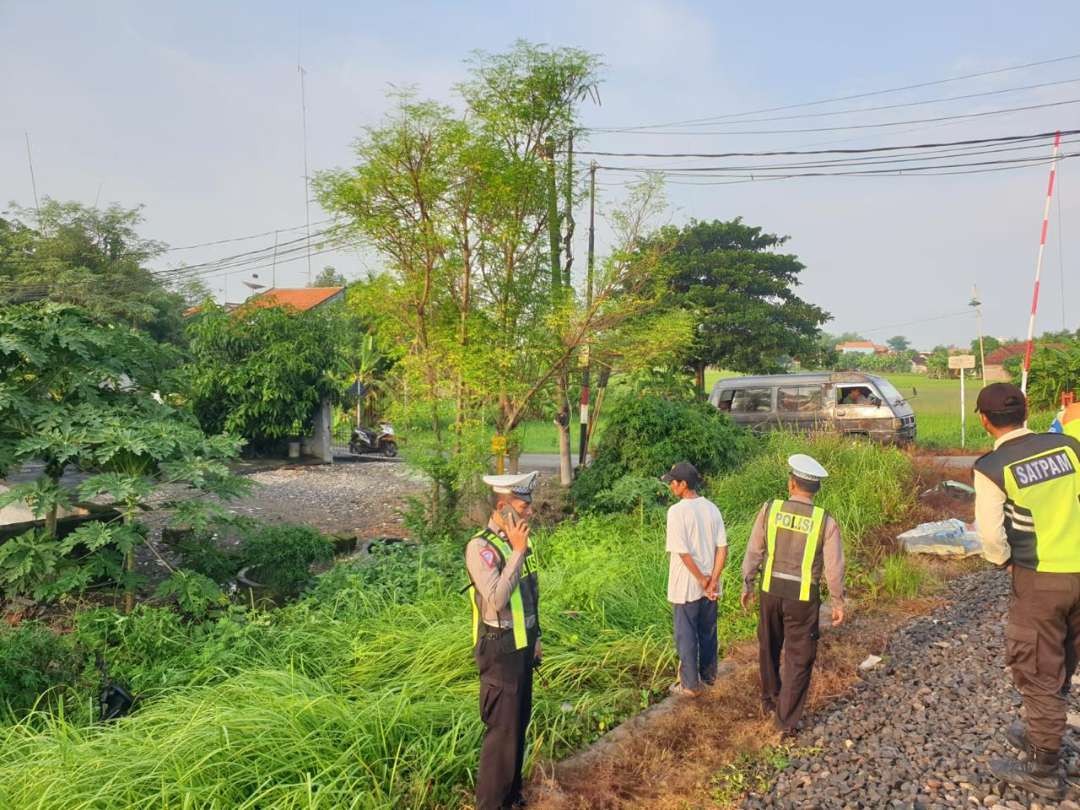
919,731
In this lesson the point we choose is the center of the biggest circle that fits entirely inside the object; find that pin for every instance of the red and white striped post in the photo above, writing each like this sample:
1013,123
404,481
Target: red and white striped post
1039,262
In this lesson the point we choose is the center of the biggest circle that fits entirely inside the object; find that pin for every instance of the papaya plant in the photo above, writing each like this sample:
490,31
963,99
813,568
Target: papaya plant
77,395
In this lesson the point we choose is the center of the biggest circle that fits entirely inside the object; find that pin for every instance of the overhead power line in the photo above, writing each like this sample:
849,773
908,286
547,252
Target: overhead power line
869,94
850,111
846,151
927,159
242,238
879,125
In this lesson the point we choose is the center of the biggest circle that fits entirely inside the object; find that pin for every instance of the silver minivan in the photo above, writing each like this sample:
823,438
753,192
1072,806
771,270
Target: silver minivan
847,402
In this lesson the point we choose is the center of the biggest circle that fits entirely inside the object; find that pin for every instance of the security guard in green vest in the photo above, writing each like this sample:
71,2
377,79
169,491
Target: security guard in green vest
506,637
1028,517
796,542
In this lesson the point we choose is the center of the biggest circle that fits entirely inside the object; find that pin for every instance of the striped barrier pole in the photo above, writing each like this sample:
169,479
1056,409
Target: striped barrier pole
1039,262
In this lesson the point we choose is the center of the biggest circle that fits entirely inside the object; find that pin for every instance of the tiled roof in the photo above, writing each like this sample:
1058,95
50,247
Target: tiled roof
1017,349
855,344
300,298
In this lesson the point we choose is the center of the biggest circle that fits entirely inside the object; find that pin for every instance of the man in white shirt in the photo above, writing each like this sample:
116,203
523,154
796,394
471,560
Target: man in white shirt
697,545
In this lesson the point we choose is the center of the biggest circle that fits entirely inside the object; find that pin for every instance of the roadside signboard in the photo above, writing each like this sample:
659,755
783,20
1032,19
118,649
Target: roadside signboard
962,362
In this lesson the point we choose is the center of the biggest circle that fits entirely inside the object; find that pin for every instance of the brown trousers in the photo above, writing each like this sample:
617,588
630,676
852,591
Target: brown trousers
791,626
1042,646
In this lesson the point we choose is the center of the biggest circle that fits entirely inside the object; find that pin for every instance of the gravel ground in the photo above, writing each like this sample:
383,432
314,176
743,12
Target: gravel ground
361,498
919,730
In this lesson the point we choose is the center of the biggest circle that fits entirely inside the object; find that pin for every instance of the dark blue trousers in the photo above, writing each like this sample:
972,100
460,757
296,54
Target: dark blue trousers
695,639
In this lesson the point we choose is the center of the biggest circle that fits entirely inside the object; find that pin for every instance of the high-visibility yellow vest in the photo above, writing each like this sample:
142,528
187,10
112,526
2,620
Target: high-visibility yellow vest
1040,476
517,607
793,539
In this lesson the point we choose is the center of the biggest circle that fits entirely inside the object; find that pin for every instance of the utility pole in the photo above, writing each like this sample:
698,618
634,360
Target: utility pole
273,271
975,302
558,297
583,448
33,180
307,180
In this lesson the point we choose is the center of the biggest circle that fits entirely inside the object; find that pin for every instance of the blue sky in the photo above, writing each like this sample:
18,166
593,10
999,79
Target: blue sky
192,110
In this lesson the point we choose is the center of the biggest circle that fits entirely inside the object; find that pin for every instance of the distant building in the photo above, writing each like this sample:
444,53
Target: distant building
857,347
919,364
299,298
995,361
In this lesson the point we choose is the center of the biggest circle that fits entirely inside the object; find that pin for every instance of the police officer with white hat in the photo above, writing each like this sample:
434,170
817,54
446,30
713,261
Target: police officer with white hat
506,636
794,542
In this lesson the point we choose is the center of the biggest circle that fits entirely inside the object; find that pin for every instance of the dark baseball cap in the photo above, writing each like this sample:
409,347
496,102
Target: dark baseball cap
683,471
999,397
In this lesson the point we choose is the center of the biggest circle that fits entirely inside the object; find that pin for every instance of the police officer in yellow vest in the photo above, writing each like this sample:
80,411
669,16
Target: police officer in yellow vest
796,542
506,636
1028,517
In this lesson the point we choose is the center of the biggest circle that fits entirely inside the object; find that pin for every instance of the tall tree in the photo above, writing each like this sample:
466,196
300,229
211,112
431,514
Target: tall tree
898,343
95,259
459,207
741,292
527,99
329,277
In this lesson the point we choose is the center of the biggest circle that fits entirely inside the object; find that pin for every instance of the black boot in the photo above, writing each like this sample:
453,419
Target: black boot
1016,736
1038,774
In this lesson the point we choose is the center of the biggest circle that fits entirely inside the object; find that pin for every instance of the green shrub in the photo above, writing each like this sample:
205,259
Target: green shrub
282,555
645,436
200,552
33,661
901,578
196,595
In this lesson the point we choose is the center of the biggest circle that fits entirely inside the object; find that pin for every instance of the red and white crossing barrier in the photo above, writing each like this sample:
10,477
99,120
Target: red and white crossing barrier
1039,262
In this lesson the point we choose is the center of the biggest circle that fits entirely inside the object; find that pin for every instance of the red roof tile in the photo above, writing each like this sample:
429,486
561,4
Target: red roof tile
1003,353
300,298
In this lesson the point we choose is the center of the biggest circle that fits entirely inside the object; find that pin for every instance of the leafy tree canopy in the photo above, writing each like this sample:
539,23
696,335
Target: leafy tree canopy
95,259
741,291
261,372
898,343
329,277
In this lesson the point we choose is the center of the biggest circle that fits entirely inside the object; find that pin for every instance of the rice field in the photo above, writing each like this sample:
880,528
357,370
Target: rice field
363,694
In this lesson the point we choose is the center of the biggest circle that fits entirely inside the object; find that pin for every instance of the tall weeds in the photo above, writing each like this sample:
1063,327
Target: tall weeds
363,694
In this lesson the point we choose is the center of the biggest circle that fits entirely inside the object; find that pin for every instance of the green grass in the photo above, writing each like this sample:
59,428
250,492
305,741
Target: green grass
363,695
901,578
540,436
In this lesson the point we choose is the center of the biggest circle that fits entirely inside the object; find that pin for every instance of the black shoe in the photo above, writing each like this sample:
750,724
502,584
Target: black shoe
1038,775
1016,736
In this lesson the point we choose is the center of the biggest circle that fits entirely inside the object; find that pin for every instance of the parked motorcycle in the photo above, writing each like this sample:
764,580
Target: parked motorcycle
366,440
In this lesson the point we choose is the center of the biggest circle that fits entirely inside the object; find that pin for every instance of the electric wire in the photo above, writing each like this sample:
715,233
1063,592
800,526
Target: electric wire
847,127
241,238
869,94
850,111
848,150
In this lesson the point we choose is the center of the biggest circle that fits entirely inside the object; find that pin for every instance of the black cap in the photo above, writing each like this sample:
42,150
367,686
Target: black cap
999,397
683,471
